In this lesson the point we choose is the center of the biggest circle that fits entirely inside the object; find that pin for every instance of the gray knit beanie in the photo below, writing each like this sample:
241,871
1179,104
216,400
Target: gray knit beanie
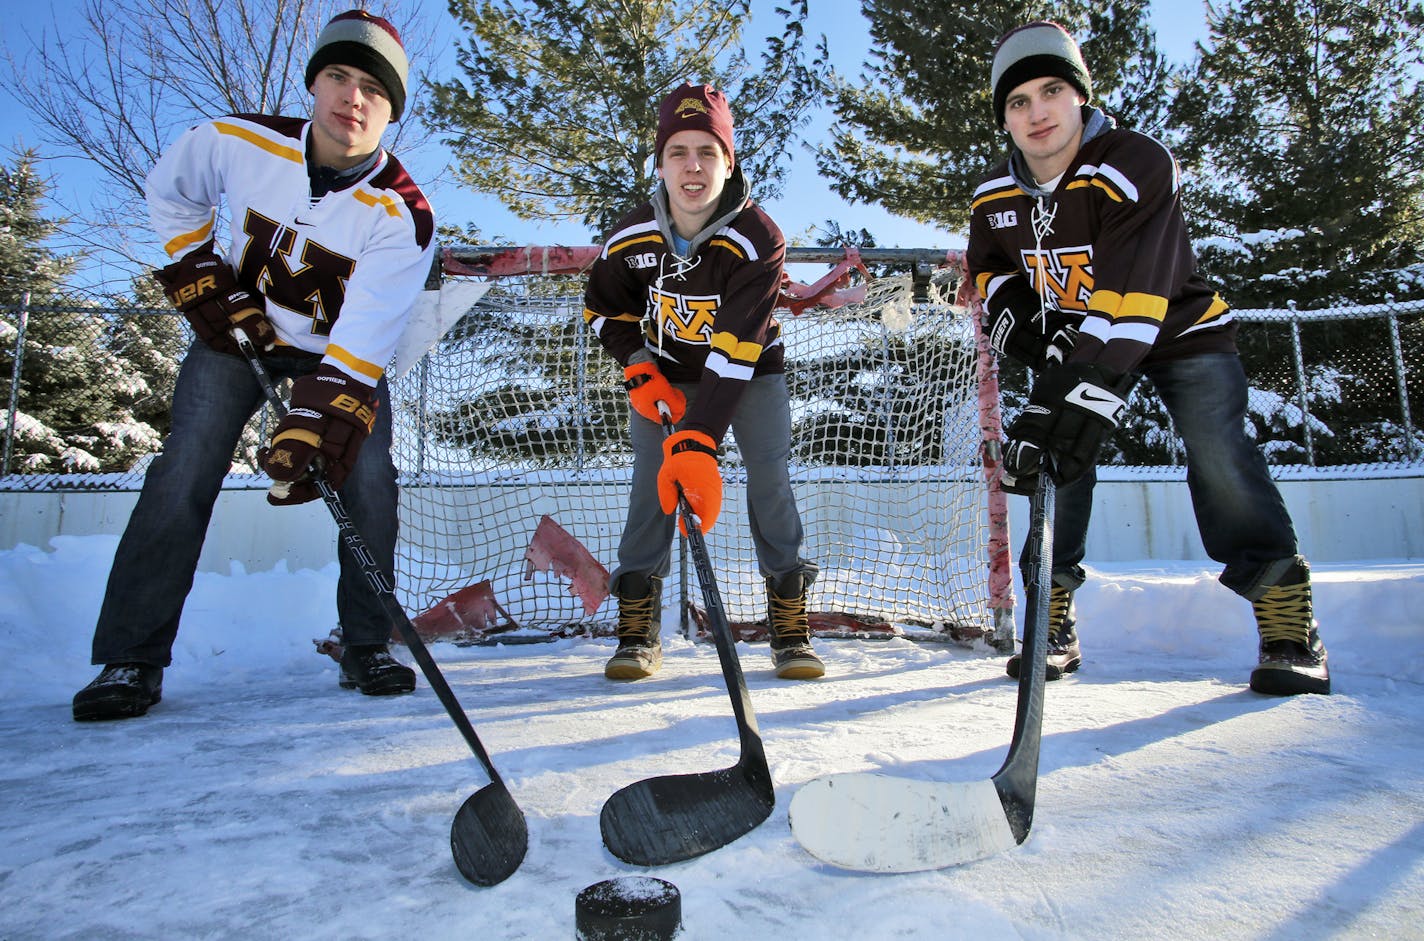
1036,50
366,42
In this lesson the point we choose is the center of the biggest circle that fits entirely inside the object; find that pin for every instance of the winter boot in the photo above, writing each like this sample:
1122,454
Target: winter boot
1292,658
120,691
1063,653
640,652
790,631
371,669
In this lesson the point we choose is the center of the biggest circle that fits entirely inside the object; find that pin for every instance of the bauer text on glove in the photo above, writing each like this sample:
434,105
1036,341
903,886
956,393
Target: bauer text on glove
1036,337
201,285
690,460
330,417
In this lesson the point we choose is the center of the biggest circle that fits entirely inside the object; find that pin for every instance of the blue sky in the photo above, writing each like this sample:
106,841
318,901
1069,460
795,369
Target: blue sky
808,201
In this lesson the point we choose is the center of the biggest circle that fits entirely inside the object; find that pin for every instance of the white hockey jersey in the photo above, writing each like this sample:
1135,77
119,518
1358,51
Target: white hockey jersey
339,273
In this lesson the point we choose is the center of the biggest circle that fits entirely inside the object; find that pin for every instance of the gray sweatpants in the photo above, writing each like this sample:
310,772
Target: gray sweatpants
762,426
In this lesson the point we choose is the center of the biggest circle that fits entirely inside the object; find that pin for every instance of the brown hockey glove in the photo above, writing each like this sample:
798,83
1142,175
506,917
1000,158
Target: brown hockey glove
647,387
1070,413
330,417
201,285
690,460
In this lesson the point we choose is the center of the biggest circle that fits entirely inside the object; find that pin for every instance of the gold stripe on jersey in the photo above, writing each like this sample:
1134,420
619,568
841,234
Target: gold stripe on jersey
1003,192
1113,193
629,242
1215,309
355,364
189,239
1130,306
373,200
738,351
590,315
729,245
257,140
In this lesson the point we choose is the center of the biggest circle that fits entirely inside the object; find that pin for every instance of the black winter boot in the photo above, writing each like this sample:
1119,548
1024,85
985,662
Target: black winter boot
640,652
120,691
1064,656
371,669
1292,658
791,651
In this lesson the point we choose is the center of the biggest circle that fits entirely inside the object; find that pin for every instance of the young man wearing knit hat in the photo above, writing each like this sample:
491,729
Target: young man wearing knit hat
329,244
1078,246
682,297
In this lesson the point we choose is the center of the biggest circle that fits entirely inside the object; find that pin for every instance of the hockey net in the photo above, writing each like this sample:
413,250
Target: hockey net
511,442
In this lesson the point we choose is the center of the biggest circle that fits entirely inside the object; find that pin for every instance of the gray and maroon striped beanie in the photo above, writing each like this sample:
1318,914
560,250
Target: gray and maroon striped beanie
365,42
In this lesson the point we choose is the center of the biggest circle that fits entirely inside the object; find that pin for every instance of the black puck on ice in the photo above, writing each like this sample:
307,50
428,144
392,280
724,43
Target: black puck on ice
632,908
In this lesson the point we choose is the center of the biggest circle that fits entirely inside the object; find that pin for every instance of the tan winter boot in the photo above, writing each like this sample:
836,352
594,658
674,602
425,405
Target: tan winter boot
1292,658
1064,656
790,631
640,652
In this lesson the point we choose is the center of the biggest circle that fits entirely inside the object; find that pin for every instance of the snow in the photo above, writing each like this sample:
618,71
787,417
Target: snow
259,800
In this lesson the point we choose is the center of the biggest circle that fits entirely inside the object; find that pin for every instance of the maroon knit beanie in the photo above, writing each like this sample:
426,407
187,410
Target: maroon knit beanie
694,108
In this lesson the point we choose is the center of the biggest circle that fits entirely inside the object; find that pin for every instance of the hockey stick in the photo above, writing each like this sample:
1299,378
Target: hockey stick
489,835
879,823
674,817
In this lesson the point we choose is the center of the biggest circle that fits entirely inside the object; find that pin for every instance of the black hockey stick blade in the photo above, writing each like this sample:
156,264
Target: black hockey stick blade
489,836
675,817
880,823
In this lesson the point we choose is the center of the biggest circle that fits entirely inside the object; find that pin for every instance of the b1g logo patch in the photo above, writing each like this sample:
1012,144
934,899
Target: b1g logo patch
1003,220
643,260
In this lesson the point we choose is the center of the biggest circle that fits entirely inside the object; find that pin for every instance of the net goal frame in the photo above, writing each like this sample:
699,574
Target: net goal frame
511,445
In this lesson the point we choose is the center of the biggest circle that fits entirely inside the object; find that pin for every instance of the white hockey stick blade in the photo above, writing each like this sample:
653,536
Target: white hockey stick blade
433,313
878,823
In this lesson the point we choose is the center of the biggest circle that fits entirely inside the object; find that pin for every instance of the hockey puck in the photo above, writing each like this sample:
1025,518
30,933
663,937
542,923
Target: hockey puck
632,908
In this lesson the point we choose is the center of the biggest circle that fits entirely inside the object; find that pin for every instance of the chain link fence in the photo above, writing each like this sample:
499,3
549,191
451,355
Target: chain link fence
1334,392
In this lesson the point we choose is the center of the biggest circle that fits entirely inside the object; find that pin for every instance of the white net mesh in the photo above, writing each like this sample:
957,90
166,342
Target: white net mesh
519,413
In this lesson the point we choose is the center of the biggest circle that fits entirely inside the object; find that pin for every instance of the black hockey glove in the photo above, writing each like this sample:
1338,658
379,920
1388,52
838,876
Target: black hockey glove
1070,413
1020,327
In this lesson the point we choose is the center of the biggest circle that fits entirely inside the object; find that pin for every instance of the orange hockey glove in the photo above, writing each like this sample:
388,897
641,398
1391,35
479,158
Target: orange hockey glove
690,459
331,415
647,387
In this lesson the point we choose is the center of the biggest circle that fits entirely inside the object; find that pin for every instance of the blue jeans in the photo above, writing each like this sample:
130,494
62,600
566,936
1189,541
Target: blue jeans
1240,515
153,569
762,426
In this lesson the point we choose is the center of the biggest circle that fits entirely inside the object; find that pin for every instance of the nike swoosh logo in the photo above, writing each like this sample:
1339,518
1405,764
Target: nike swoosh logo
1100,402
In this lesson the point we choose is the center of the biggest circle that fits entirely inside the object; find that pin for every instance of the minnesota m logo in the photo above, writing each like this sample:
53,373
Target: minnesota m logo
313,285
1067,273
689,318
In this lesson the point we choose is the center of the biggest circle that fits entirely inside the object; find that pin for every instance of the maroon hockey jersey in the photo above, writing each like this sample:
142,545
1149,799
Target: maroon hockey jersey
705,318
1108,244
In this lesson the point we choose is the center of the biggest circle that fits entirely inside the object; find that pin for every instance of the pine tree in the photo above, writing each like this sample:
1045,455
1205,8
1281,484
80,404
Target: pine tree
556,107
1301,134
915,132
79,389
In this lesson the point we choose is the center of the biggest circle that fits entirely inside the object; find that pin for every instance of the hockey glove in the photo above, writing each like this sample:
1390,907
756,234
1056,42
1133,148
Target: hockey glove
1070,413
330,416
647,387
201,285
690,460
1038,340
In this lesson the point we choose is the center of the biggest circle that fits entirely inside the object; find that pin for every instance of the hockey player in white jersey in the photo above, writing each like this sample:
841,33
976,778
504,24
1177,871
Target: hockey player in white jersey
328,244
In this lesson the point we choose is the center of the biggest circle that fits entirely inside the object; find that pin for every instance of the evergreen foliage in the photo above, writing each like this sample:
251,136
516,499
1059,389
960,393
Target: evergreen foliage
915,131
1302,134
555,108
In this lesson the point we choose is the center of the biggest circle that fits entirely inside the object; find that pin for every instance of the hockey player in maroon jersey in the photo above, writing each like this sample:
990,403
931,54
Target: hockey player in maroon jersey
1079,248
682,296
330,242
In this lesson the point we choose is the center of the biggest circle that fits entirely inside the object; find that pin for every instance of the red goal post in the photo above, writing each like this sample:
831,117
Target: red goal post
517,414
